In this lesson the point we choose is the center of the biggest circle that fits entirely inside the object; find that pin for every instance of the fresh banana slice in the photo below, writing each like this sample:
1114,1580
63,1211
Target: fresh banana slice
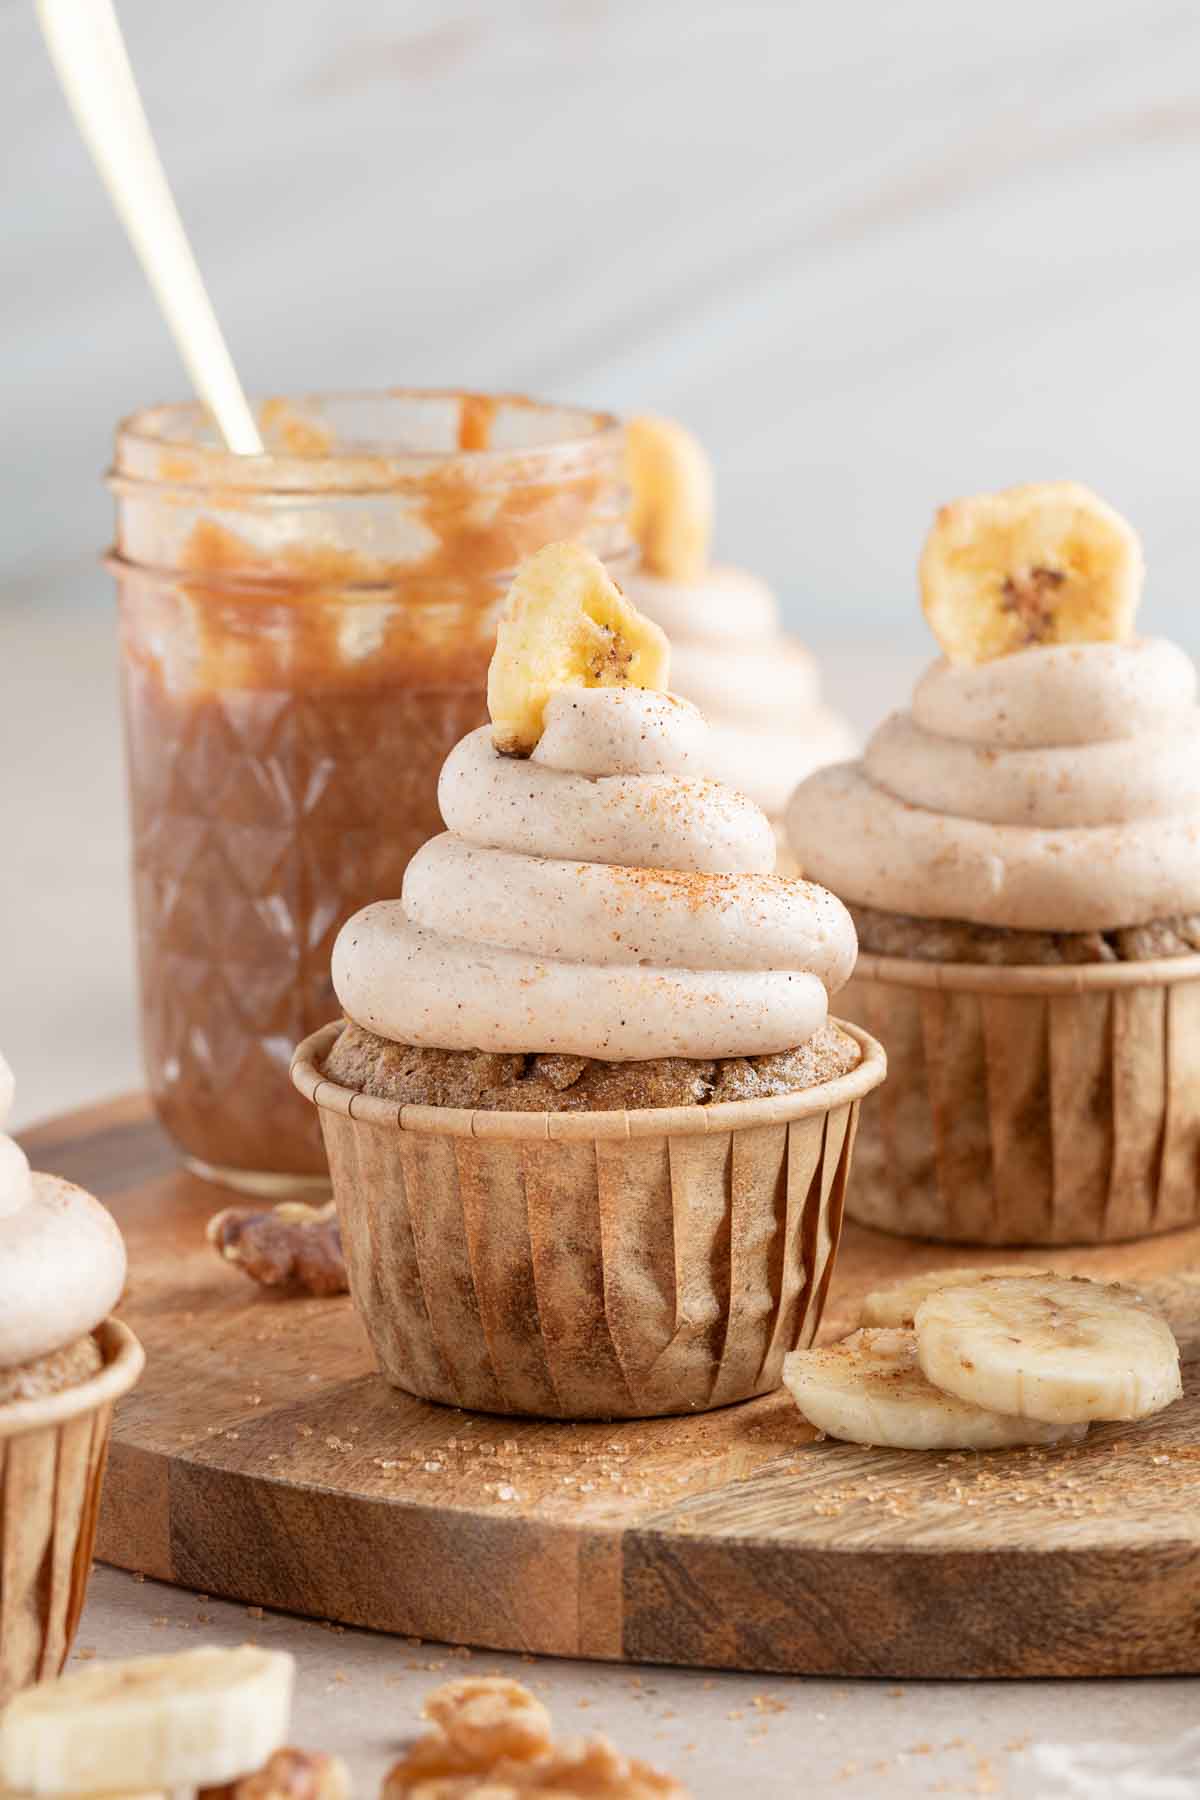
869,1389
192,1720
1050,563
896,1305
671,481
565,624
1057,1348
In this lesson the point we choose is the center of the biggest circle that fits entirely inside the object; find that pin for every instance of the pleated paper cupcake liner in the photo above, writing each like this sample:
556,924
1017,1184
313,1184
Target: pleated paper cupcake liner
1030,1105
589,1265
52,1457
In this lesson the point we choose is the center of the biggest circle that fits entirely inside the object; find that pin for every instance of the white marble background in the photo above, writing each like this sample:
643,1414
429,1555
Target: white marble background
875,254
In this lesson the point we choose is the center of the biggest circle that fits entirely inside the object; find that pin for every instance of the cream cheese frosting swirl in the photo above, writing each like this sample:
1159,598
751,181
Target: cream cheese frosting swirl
1053,789
602,897
16,1182
62,1259
759,690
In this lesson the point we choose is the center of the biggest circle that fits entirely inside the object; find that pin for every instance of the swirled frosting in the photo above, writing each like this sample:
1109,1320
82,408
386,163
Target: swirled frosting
600,898
1055,789
759,690
16,1182
62,1260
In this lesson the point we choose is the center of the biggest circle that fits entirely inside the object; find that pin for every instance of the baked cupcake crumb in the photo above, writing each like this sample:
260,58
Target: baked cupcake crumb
52,1374
957,940
492,1082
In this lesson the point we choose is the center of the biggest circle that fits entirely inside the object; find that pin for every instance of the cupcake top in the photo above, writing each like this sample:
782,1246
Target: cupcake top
62,1260
1047,776
759,690
596,893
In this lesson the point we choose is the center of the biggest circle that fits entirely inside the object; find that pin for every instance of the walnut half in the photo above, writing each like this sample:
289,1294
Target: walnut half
287,1246
289,1775
492,1741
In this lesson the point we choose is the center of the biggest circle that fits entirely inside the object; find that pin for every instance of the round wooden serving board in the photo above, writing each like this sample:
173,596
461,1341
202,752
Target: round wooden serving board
263,1459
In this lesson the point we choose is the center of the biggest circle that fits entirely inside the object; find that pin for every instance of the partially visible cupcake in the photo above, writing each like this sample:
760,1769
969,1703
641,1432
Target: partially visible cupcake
63,1362
1021,854
759,689
589,1123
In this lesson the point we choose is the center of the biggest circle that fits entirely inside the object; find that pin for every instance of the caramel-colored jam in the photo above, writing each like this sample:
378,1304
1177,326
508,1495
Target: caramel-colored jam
288,715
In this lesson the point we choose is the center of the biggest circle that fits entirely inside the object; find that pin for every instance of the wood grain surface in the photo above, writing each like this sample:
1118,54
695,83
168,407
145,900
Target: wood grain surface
262,1459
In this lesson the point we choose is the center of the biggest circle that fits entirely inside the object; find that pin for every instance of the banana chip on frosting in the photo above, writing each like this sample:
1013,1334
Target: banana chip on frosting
565,624
671,482
602,896
1052,790
1049,563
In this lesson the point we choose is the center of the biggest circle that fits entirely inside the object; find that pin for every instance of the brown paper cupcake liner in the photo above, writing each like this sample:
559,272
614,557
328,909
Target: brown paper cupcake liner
1031,1105
589,1265
52,1456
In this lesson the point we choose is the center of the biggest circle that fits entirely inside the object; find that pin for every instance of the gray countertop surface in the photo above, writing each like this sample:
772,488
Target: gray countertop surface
776,1737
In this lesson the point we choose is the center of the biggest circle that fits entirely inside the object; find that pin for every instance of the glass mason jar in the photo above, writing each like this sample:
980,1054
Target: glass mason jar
304,637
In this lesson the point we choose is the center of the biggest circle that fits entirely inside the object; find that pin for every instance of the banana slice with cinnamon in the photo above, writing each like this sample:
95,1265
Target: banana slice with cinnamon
565,624
1056,1348
870,1389
1048,563
897,1304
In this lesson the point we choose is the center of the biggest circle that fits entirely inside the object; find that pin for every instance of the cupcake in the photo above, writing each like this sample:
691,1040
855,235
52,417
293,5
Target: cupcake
759,690
589,1122
63,1362
1021,854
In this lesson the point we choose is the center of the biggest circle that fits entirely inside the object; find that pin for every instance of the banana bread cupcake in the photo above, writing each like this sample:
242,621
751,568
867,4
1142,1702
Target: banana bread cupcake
63,1362
759,689
589,1123
1021,854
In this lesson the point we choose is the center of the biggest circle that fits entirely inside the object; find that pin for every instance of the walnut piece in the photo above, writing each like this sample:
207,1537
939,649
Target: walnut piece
485,1717
492,1741
288,1246
289,1775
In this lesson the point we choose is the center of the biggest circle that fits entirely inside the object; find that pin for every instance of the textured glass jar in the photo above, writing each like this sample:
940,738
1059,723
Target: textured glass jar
304,637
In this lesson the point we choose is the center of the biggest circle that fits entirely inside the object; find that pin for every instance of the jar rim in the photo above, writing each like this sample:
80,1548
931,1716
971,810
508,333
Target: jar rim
176,445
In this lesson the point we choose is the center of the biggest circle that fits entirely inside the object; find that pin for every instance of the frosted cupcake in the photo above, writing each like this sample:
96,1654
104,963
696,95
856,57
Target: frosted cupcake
590,1123
63,1362
759,689
1021,853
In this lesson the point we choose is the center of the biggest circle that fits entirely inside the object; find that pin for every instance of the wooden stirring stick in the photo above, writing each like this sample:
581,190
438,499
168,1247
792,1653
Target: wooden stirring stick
88,51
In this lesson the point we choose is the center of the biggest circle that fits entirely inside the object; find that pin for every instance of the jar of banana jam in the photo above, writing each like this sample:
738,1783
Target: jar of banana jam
304,637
